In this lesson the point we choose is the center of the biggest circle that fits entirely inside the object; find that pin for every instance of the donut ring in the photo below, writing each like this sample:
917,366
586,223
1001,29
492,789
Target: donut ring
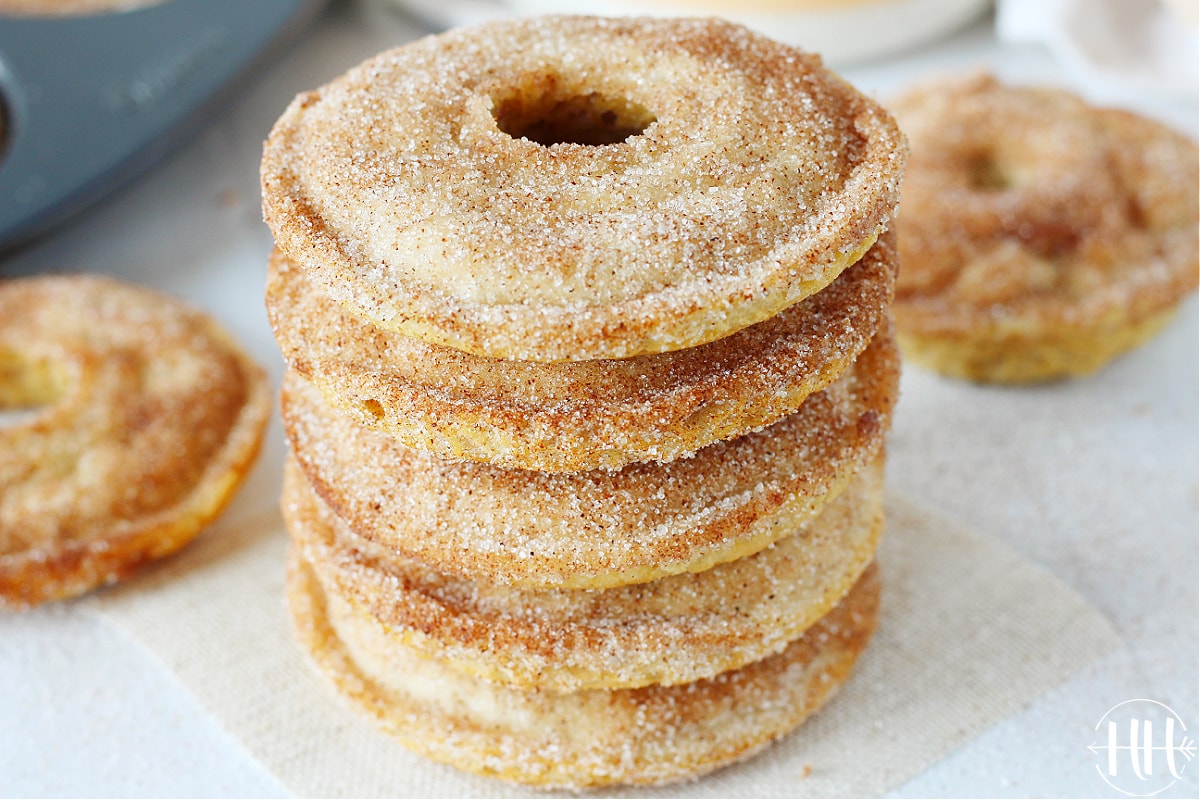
578,415
674,630
1041,236
597,529
148,418
594,738
695,178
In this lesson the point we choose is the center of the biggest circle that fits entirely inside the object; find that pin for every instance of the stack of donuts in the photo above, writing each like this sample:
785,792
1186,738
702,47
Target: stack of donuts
590,371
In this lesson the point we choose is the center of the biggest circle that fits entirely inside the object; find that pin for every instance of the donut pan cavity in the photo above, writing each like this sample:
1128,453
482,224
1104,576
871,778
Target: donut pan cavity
89,102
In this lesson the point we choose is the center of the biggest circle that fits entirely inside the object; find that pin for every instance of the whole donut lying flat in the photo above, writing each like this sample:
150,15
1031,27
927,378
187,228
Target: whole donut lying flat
578,415
596,529
674,630
650,735
571,188
147,418
1041,236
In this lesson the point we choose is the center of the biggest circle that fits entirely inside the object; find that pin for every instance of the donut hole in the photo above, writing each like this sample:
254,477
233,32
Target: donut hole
26,388
987,173
549,115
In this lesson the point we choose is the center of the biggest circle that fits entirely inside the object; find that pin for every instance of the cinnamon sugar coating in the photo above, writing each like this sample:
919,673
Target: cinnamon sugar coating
145,418
596,529
1040,236
673,630
578,415
651,735
572,188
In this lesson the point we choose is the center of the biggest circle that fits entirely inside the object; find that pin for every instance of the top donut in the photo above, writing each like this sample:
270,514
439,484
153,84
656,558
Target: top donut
574,188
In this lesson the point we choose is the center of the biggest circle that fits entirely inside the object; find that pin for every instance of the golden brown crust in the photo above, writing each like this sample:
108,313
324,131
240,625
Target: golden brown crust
147,418
596,529
651,735
579,415
1005,358
1047,232
749,179
674,630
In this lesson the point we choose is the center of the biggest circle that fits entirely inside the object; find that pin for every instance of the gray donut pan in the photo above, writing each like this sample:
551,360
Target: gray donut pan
90,102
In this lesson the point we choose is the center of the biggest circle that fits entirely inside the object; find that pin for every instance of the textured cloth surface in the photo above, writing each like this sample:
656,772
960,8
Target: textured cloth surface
970,632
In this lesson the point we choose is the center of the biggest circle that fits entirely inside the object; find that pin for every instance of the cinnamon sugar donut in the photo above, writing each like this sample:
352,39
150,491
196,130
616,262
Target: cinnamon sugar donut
578,415
1041,236
593,738
147,418
596,529
571,188
673,630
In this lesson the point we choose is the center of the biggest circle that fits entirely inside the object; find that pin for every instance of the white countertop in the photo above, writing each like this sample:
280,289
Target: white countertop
1106,501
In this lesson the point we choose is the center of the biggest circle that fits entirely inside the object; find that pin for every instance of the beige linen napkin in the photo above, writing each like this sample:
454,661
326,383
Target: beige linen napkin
970,633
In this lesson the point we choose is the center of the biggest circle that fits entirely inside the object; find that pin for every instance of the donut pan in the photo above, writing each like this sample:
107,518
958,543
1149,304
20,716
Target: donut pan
89,102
